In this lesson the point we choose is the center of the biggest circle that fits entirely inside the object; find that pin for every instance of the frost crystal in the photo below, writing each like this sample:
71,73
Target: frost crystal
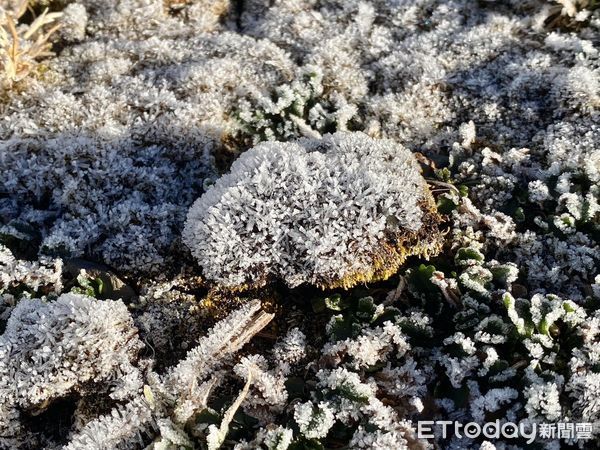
324,211
74,21
370,347
314,420
180,394
105,146
122,426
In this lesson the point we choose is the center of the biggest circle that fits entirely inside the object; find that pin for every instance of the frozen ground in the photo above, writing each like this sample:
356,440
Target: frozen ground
126,233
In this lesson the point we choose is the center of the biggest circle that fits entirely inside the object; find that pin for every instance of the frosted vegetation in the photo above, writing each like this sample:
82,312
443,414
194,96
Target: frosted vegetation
351,209
297,224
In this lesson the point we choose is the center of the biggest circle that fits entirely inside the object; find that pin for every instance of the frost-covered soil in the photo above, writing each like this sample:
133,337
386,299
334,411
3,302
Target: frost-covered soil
171,277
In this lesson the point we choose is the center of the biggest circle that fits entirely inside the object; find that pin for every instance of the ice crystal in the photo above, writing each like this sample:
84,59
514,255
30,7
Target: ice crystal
51,350
313,420
17,274
104,147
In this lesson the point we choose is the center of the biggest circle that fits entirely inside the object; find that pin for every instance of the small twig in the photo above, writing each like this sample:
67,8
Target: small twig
394,295
228,416
449,186
260,321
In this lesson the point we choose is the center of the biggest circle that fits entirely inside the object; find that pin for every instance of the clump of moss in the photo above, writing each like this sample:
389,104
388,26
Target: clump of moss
331,212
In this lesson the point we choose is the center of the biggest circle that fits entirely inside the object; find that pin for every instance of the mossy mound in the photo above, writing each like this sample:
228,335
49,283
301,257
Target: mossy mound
330,212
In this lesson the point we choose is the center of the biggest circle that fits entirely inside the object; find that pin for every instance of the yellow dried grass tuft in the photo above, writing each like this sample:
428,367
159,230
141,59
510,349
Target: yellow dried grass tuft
22,45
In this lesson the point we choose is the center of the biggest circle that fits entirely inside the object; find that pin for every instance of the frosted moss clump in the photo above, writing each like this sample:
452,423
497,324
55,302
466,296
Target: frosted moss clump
332,212
21,275
49,350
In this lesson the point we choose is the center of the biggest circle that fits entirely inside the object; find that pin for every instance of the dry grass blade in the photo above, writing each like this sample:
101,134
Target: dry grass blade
17,9
228,336
44,19
216,435
21,45
13,50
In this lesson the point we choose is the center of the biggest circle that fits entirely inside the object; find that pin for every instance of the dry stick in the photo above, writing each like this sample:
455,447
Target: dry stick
396,293
449,186
182,413
254,322
228,416
254,327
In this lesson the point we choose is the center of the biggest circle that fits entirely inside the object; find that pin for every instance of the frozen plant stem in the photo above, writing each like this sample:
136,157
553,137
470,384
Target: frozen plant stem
217,436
